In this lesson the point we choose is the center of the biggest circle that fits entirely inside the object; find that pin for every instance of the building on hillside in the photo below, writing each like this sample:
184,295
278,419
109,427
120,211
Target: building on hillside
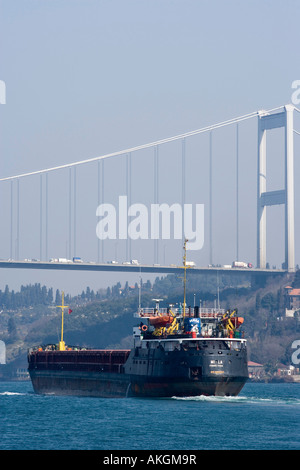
255,370
292,302
22,373
283,370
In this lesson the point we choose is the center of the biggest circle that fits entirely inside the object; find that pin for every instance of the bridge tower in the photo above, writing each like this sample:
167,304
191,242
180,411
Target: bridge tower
284,196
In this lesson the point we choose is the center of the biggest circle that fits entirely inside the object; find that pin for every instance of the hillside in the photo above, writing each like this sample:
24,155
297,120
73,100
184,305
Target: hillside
104,319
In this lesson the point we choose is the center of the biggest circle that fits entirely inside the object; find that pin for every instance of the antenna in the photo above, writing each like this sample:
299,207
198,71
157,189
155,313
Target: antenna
218,291
140,288
184,284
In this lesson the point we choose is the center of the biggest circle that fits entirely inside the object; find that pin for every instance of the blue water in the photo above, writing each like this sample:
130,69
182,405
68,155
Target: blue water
263,416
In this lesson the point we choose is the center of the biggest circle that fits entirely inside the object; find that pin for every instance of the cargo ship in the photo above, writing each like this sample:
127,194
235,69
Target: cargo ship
182,351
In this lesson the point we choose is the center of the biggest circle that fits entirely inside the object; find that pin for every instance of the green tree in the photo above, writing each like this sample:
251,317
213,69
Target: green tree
50,296
57,297
12,329
258,301
296,281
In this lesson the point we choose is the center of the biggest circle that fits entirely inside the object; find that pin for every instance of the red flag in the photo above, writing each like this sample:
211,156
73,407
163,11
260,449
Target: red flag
70,310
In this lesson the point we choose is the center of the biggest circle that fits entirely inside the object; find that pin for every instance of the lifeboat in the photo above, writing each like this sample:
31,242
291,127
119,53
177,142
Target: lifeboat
160,321
236,321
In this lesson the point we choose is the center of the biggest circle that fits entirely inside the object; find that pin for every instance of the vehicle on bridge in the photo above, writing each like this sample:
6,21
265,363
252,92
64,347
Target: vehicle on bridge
241,264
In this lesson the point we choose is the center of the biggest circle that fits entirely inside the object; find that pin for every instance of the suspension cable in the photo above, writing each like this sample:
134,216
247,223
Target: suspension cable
145,146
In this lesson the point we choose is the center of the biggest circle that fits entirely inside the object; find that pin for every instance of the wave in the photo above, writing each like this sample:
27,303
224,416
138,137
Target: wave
11,393
242,399
211,398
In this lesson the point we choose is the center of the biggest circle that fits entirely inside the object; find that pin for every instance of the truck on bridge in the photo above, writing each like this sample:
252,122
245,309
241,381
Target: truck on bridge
241,264
191,264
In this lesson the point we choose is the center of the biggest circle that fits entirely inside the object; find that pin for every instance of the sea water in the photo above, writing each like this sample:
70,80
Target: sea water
262,417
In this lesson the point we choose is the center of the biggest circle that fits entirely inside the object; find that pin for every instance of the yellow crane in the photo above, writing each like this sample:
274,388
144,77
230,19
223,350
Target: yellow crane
231,321
62,346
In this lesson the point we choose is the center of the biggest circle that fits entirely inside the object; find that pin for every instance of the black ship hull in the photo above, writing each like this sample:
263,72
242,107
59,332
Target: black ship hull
116,386
195,368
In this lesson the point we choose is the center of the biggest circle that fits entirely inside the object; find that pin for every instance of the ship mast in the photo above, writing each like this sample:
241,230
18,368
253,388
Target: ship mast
62,345
184,282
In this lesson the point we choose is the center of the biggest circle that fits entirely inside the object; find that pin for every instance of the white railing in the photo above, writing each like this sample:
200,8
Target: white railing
202,312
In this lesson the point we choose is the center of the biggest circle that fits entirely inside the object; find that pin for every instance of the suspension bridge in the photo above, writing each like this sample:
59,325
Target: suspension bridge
50,216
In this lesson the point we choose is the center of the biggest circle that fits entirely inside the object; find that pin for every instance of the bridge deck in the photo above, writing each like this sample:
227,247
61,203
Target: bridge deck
131,268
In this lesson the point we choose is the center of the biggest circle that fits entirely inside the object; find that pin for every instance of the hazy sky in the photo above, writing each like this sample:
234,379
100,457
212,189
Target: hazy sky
84,78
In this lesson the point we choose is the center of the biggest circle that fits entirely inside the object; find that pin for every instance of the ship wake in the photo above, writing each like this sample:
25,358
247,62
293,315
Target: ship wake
242,399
